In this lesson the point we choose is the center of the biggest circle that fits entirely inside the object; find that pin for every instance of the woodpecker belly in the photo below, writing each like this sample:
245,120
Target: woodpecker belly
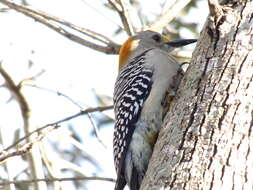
141,148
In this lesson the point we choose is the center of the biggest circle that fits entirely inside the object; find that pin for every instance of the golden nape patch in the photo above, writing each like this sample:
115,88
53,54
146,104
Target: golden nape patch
125,51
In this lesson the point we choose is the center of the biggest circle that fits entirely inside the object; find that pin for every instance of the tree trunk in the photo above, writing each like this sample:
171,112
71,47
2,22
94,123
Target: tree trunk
206,141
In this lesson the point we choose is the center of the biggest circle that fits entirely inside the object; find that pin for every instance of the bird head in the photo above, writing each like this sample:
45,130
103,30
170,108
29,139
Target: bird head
145,40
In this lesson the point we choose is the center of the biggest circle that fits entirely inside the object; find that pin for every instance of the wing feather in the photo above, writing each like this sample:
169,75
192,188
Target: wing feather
132,88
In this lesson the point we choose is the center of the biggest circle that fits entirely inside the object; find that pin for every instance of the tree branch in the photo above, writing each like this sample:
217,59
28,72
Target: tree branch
125,18
46,19
34,156
168,15
96,130
42,133
26,148
58,93
15,90
123,10
58,179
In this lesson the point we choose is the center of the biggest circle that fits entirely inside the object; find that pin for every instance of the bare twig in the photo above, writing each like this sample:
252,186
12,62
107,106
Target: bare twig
75,103
123,10
56,92
168,15
58,179
6,166
42,133
96,130
4,9
32,78
16,93
46,19
125,17
92,34
34,157
101,13
19,152
15,90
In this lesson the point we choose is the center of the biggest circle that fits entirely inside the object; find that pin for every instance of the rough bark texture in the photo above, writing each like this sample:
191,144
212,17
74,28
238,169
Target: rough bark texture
207,140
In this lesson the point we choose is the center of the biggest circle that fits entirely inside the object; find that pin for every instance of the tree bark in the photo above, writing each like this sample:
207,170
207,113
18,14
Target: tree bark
206,141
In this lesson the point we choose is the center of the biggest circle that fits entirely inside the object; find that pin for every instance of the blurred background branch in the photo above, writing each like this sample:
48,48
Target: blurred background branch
43,131
109,46
50,180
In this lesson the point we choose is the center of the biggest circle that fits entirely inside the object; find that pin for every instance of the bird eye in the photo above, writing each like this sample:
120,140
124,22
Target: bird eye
156,37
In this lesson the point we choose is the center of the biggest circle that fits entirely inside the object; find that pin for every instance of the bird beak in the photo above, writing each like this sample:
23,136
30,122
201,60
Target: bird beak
180,43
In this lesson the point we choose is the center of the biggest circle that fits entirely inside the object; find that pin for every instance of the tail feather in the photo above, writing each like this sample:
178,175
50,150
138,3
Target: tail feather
136,179
120,183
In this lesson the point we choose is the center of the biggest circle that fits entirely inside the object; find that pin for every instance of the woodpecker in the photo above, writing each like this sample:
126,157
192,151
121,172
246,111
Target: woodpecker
146,74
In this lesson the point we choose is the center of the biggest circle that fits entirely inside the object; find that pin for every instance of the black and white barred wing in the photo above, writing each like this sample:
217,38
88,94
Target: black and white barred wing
131,90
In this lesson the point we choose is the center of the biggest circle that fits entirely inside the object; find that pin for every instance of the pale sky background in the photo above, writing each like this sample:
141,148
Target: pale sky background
70,68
